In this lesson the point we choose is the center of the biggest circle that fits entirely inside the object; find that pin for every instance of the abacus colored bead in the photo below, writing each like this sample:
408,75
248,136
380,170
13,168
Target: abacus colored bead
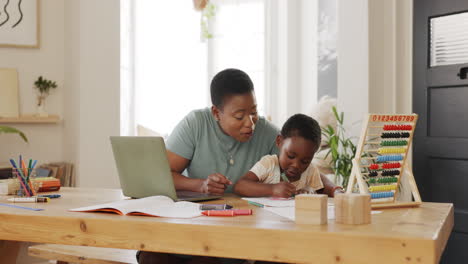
390,172
386,165
392,150
389,158
391,165
391,179
382,188
381,195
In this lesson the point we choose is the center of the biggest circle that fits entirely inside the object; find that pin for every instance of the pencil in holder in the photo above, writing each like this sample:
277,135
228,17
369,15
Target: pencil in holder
25,186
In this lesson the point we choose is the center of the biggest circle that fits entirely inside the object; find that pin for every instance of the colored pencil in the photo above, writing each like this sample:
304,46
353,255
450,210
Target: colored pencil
20,177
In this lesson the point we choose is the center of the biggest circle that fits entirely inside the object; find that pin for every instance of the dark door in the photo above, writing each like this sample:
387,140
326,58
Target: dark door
440,97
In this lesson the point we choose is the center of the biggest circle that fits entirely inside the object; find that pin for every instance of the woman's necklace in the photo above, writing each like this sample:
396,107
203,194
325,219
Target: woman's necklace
225,149
231,158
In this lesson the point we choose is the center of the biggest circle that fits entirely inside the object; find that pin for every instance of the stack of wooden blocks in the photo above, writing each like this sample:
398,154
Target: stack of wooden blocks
351,209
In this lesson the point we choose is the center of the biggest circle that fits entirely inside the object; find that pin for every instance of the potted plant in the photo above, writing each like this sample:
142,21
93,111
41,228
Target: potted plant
7,129
341,148
43,86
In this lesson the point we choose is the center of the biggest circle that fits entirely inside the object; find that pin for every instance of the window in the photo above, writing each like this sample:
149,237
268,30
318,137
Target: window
170,63
239,41
167,67
449,39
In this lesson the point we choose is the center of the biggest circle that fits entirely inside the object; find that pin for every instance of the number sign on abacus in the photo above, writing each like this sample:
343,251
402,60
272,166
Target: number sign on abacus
381,160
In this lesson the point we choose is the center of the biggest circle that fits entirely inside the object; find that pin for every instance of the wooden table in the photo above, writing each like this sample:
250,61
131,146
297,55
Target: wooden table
407,235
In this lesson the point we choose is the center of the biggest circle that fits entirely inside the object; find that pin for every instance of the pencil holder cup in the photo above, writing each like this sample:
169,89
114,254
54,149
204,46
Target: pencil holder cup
24,186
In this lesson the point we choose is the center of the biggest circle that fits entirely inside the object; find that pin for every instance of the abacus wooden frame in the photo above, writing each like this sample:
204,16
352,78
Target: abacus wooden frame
356,172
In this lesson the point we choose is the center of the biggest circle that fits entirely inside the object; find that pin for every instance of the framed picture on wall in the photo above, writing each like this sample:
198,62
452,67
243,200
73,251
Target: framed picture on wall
19,23
9,106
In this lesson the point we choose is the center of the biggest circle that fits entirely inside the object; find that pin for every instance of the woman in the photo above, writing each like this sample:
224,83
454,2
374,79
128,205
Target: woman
217,146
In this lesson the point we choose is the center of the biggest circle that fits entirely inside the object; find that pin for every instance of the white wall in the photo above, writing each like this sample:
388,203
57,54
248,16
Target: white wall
92,112
353,62
45,140
374,58
404,56
80,42
308,55
390,60
293,50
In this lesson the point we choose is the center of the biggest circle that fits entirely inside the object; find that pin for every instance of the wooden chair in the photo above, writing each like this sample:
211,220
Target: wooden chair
65,254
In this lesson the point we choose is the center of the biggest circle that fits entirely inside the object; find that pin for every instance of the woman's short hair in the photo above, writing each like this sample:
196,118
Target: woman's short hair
229,82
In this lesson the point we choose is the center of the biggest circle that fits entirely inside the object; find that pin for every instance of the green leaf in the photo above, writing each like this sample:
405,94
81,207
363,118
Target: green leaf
335,112
334,154
328,130
6,129
44,85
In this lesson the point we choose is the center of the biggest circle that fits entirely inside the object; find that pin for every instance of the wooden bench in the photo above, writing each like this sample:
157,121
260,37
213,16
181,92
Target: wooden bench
82,255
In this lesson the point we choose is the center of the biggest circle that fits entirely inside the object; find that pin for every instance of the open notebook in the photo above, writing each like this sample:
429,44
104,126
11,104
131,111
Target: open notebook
161,206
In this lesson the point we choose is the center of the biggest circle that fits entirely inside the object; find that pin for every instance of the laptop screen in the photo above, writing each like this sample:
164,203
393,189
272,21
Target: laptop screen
143,167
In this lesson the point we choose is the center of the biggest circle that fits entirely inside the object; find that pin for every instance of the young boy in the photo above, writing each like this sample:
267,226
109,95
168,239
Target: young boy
291,172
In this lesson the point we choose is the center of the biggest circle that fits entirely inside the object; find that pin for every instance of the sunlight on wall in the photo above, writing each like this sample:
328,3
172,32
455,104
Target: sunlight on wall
173,66
170,63
239,41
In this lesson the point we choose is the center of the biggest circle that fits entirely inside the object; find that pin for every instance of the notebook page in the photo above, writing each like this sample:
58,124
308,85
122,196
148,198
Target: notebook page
124,206
176,210
272,202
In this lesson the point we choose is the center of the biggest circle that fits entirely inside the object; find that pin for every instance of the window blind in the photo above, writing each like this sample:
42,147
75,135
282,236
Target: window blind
449,39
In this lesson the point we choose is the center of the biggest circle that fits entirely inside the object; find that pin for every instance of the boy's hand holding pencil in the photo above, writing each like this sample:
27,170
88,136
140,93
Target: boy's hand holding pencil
283,189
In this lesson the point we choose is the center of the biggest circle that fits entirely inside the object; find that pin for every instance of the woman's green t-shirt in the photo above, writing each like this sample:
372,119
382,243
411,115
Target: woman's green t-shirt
199,139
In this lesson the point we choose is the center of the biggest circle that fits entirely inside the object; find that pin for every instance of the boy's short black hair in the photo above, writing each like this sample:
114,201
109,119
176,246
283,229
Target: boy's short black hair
303,126
229,82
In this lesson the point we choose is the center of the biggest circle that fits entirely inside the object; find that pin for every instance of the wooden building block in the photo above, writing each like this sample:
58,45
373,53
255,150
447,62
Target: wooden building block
352,208
311,209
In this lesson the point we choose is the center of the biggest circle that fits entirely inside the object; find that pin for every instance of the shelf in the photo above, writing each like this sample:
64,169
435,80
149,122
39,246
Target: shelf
30,119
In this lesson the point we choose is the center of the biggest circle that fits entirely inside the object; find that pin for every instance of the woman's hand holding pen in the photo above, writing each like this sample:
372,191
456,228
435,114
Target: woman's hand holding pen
216,183
283,189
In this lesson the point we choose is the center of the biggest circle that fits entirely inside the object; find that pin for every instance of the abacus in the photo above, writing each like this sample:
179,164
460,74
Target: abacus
380,160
